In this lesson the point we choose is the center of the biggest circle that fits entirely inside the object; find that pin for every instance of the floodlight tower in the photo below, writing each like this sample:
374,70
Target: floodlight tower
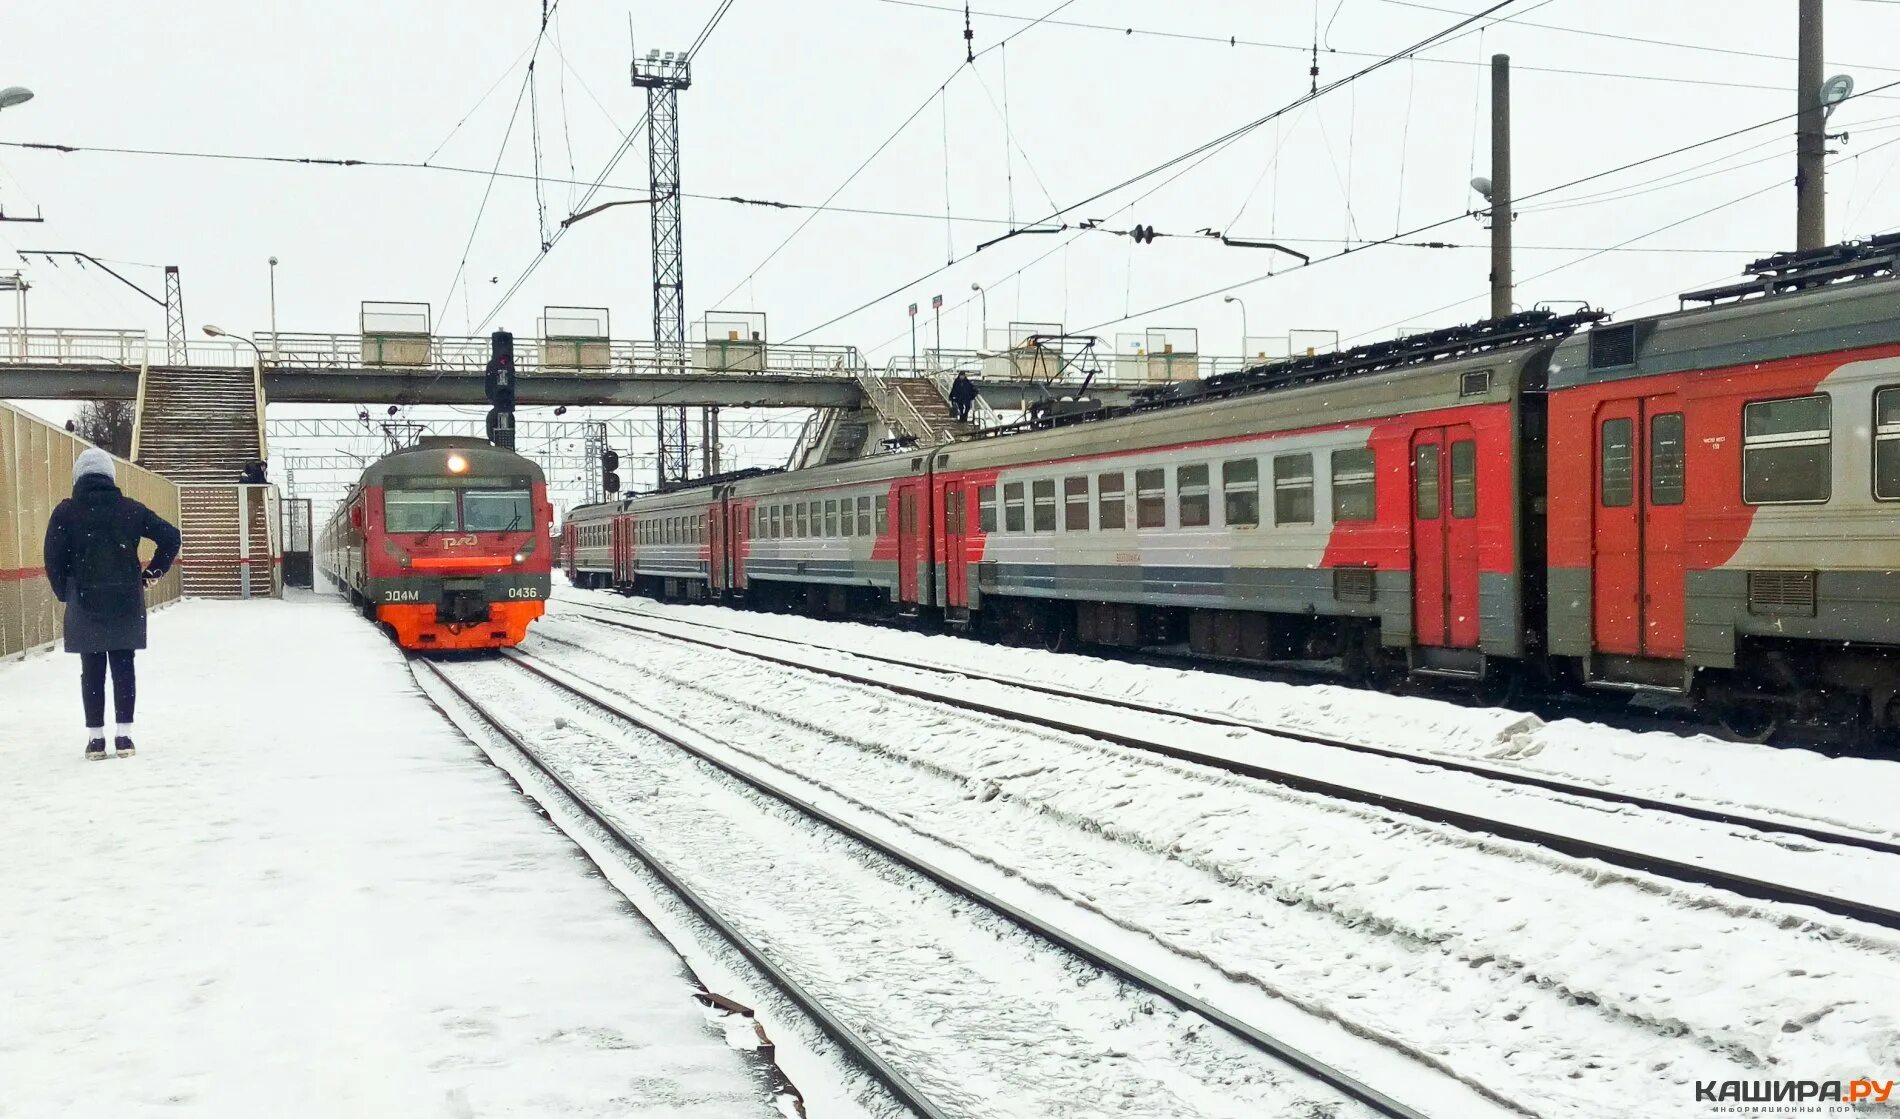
663,75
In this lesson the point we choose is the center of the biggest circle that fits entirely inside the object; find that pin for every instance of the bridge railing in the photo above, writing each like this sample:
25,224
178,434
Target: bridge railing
465,354
63,346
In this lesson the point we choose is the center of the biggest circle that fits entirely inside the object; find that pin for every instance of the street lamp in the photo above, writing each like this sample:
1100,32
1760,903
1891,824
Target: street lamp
983,340
14,95
1235,299
219,332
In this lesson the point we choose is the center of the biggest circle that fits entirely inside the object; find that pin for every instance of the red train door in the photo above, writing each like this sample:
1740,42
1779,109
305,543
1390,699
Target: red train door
1445,537
956,571
617,533
1636,579
741,540
911,540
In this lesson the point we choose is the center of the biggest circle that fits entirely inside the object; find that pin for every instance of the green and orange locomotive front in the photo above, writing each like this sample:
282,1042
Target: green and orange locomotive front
447,544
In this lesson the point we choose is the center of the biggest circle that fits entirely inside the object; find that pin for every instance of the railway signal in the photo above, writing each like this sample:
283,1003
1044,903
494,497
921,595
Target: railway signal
609,462
498,385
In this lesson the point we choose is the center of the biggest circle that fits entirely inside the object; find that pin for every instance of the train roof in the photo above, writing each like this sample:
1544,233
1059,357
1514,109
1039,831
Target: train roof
1841,297
429,456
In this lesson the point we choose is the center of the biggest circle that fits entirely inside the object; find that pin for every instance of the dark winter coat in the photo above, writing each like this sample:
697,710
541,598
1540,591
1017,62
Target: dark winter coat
962,390
97,506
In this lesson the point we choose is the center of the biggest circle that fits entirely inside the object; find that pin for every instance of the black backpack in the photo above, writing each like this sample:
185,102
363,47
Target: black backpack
106,575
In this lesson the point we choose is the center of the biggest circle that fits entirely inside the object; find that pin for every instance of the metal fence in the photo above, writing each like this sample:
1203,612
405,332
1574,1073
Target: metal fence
36,471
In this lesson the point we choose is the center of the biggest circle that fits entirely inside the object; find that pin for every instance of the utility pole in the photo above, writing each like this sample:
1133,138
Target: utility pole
176,350
1501,216
1810,191
663,76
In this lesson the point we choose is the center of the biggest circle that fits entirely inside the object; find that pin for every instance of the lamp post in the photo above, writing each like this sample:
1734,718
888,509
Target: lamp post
14,95
273,311
1235,299
983,339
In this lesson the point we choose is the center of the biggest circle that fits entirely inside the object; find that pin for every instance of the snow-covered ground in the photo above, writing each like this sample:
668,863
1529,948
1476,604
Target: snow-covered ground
1567,988
309,896
1799,785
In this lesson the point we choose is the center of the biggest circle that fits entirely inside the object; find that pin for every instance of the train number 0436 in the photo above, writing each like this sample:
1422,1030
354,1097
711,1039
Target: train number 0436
523,592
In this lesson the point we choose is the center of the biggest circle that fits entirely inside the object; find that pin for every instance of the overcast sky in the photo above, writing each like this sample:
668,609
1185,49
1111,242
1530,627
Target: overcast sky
789,97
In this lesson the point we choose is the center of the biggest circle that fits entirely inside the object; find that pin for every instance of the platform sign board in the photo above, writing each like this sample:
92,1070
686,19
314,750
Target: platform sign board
395,333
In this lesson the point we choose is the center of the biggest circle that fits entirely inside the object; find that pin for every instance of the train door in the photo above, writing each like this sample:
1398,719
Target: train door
1636,579
570,546
912,540
956,570
716,531
1445,537
741,520
617,532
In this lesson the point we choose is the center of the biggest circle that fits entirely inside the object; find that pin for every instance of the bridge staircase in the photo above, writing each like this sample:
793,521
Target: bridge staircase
200,427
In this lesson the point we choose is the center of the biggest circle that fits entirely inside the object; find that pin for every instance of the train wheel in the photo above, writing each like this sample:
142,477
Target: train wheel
1501,686
1748,720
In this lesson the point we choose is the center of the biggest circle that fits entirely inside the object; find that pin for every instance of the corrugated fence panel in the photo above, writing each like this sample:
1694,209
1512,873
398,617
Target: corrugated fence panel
36,470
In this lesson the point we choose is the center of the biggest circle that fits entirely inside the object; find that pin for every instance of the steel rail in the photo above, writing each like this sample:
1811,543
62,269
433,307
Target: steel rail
899,1086
1630,859
1101,958
1550,784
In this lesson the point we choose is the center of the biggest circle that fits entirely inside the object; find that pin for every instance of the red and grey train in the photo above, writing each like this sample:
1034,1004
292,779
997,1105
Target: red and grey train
446,543
1704,502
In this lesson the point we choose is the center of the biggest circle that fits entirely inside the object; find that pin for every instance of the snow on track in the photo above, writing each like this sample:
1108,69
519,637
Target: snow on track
1800,785
986,1019
1505,966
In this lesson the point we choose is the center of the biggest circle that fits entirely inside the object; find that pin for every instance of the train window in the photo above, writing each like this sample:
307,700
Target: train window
1044,492
1190,483
881,504
1151,498
418,510
1355,486
817,518
802,530
1464,479
847,524
1240,480
1887,444
864,516
1111,501
1013,507
831,518
1293,489
1618,463
1075,504
986,508
1665,459
1787,450
496,510
1425,481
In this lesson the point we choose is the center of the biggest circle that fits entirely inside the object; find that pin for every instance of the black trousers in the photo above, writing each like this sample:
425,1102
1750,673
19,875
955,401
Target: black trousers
92,685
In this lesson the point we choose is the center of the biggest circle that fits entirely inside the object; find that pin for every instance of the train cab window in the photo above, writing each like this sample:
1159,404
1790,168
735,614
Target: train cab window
1887,444
1464,479
881,504
1665,459
1151,498
1787,450
847,524
1075,504
1425,481
1355,486
831,518
1618,464
864,516
1044,493
1190,484
1293,489
1240,482
418,510
1111,501
1013,507
501,509
986,508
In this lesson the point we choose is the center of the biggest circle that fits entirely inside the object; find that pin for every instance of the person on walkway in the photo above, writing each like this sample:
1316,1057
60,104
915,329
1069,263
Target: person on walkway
962,396
253,474
92,561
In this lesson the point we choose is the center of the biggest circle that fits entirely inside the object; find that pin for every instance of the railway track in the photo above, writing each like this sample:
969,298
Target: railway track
1726,869
852,1040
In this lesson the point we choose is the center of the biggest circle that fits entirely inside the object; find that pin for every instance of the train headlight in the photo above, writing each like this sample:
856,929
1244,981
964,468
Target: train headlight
458,464
521,557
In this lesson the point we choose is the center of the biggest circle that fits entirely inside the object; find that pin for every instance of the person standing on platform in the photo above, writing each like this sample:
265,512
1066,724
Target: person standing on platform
962,396
92,561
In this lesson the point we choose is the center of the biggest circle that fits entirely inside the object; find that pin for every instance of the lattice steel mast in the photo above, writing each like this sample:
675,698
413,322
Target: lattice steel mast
663,76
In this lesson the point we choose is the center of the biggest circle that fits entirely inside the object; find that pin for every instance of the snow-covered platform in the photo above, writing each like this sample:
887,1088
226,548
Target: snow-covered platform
308,895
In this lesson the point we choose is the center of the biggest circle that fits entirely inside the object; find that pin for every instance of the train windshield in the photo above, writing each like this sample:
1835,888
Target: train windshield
497,510
419,510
